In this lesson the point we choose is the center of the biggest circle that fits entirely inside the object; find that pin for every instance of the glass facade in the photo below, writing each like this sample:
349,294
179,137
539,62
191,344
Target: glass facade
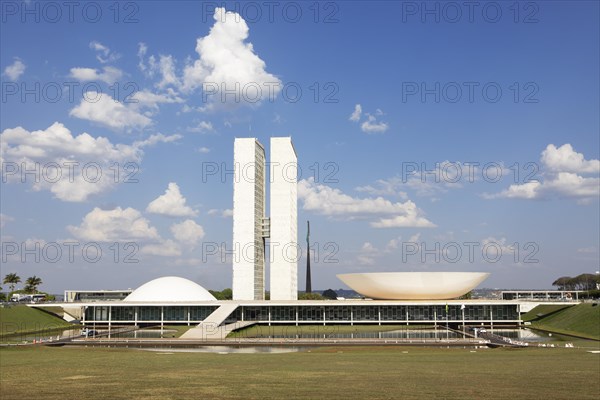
306,313
121,314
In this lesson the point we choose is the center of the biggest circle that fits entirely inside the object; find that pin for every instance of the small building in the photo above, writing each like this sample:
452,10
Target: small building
95,295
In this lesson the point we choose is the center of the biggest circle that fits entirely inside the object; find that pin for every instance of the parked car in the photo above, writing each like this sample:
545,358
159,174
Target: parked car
89,332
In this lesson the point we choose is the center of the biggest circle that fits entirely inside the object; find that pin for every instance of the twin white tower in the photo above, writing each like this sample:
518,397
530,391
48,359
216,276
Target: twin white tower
251,226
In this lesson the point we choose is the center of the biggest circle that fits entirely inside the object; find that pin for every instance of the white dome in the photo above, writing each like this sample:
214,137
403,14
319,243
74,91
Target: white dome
413,285
170,289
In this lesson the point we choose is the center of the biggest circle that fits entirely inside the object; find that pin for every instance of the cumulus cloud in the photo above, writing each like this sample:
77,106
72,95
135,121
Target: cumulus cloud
367,254
202,127
355,117
562,176
102,109
66,164
147,99
103,53
328,201
166,67
565,159
227,213
117,225
171,204
109,75
15,70
156,138
370,125
187,232
227,62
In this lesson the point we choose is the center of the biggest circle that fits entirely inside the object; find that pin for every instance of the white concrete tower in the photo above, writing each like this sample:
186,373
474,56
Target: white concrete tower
284,219
249,200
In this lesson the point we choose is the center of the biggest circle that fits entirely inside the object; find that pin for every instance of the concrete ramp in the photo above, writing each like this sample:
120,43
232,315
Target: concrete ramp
211,328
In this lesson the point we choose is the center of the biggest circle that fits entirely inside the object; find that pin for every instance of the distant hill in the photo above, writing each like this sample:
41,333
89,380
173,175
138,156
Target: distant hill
345,293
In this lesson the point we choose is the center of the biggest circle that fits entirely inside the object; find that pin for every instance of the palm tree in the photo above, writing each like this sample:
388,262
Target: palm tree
32,283
12,279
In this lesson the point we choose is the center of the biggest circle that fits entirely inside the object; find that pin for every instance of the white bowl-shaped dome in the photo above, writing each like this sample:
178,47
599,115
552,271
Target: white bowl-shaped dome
413,285
170,289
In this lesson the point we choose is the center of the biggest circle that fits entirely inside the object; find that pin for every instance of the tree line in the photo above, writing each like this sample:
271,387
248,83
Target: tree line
579,282
31,283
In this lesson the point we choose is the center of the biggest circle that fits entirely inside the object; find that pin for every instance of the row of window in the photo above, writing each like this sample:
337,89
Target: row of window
376,313
152,313
307,313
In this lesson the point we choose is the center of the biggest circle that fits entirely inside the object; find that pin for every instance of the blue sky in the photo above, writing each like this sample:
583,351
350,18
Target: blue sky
369,92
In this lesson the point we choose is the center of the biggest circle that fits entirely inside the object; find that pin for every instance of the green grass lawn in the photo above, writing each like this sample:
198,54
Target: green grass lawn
542,310
323,373
582,320
23,319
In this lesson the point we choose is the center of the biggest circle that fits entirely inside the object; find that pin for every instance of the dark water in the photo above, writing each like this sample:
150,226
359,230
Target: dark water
397,334
42,336
231,349
146,334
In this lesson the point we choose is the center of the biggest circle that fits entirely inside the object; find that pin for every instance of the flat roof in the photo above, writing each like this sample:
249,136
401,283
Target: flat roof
301,303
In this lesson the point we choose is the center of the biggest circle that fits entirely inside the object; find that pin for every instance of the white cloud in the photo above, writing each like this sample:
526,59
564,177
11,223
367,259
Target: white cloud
332,202
561,171
142,50
496,247
355,117
147,99
227,213
567,184
372,126
394,243
411,219
203,150
226,61
103,53
166,67
15,70
171,204
67,164
188,232
565,159
134,112
101,108
117,225
367,254
202,127
156,138
110,74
